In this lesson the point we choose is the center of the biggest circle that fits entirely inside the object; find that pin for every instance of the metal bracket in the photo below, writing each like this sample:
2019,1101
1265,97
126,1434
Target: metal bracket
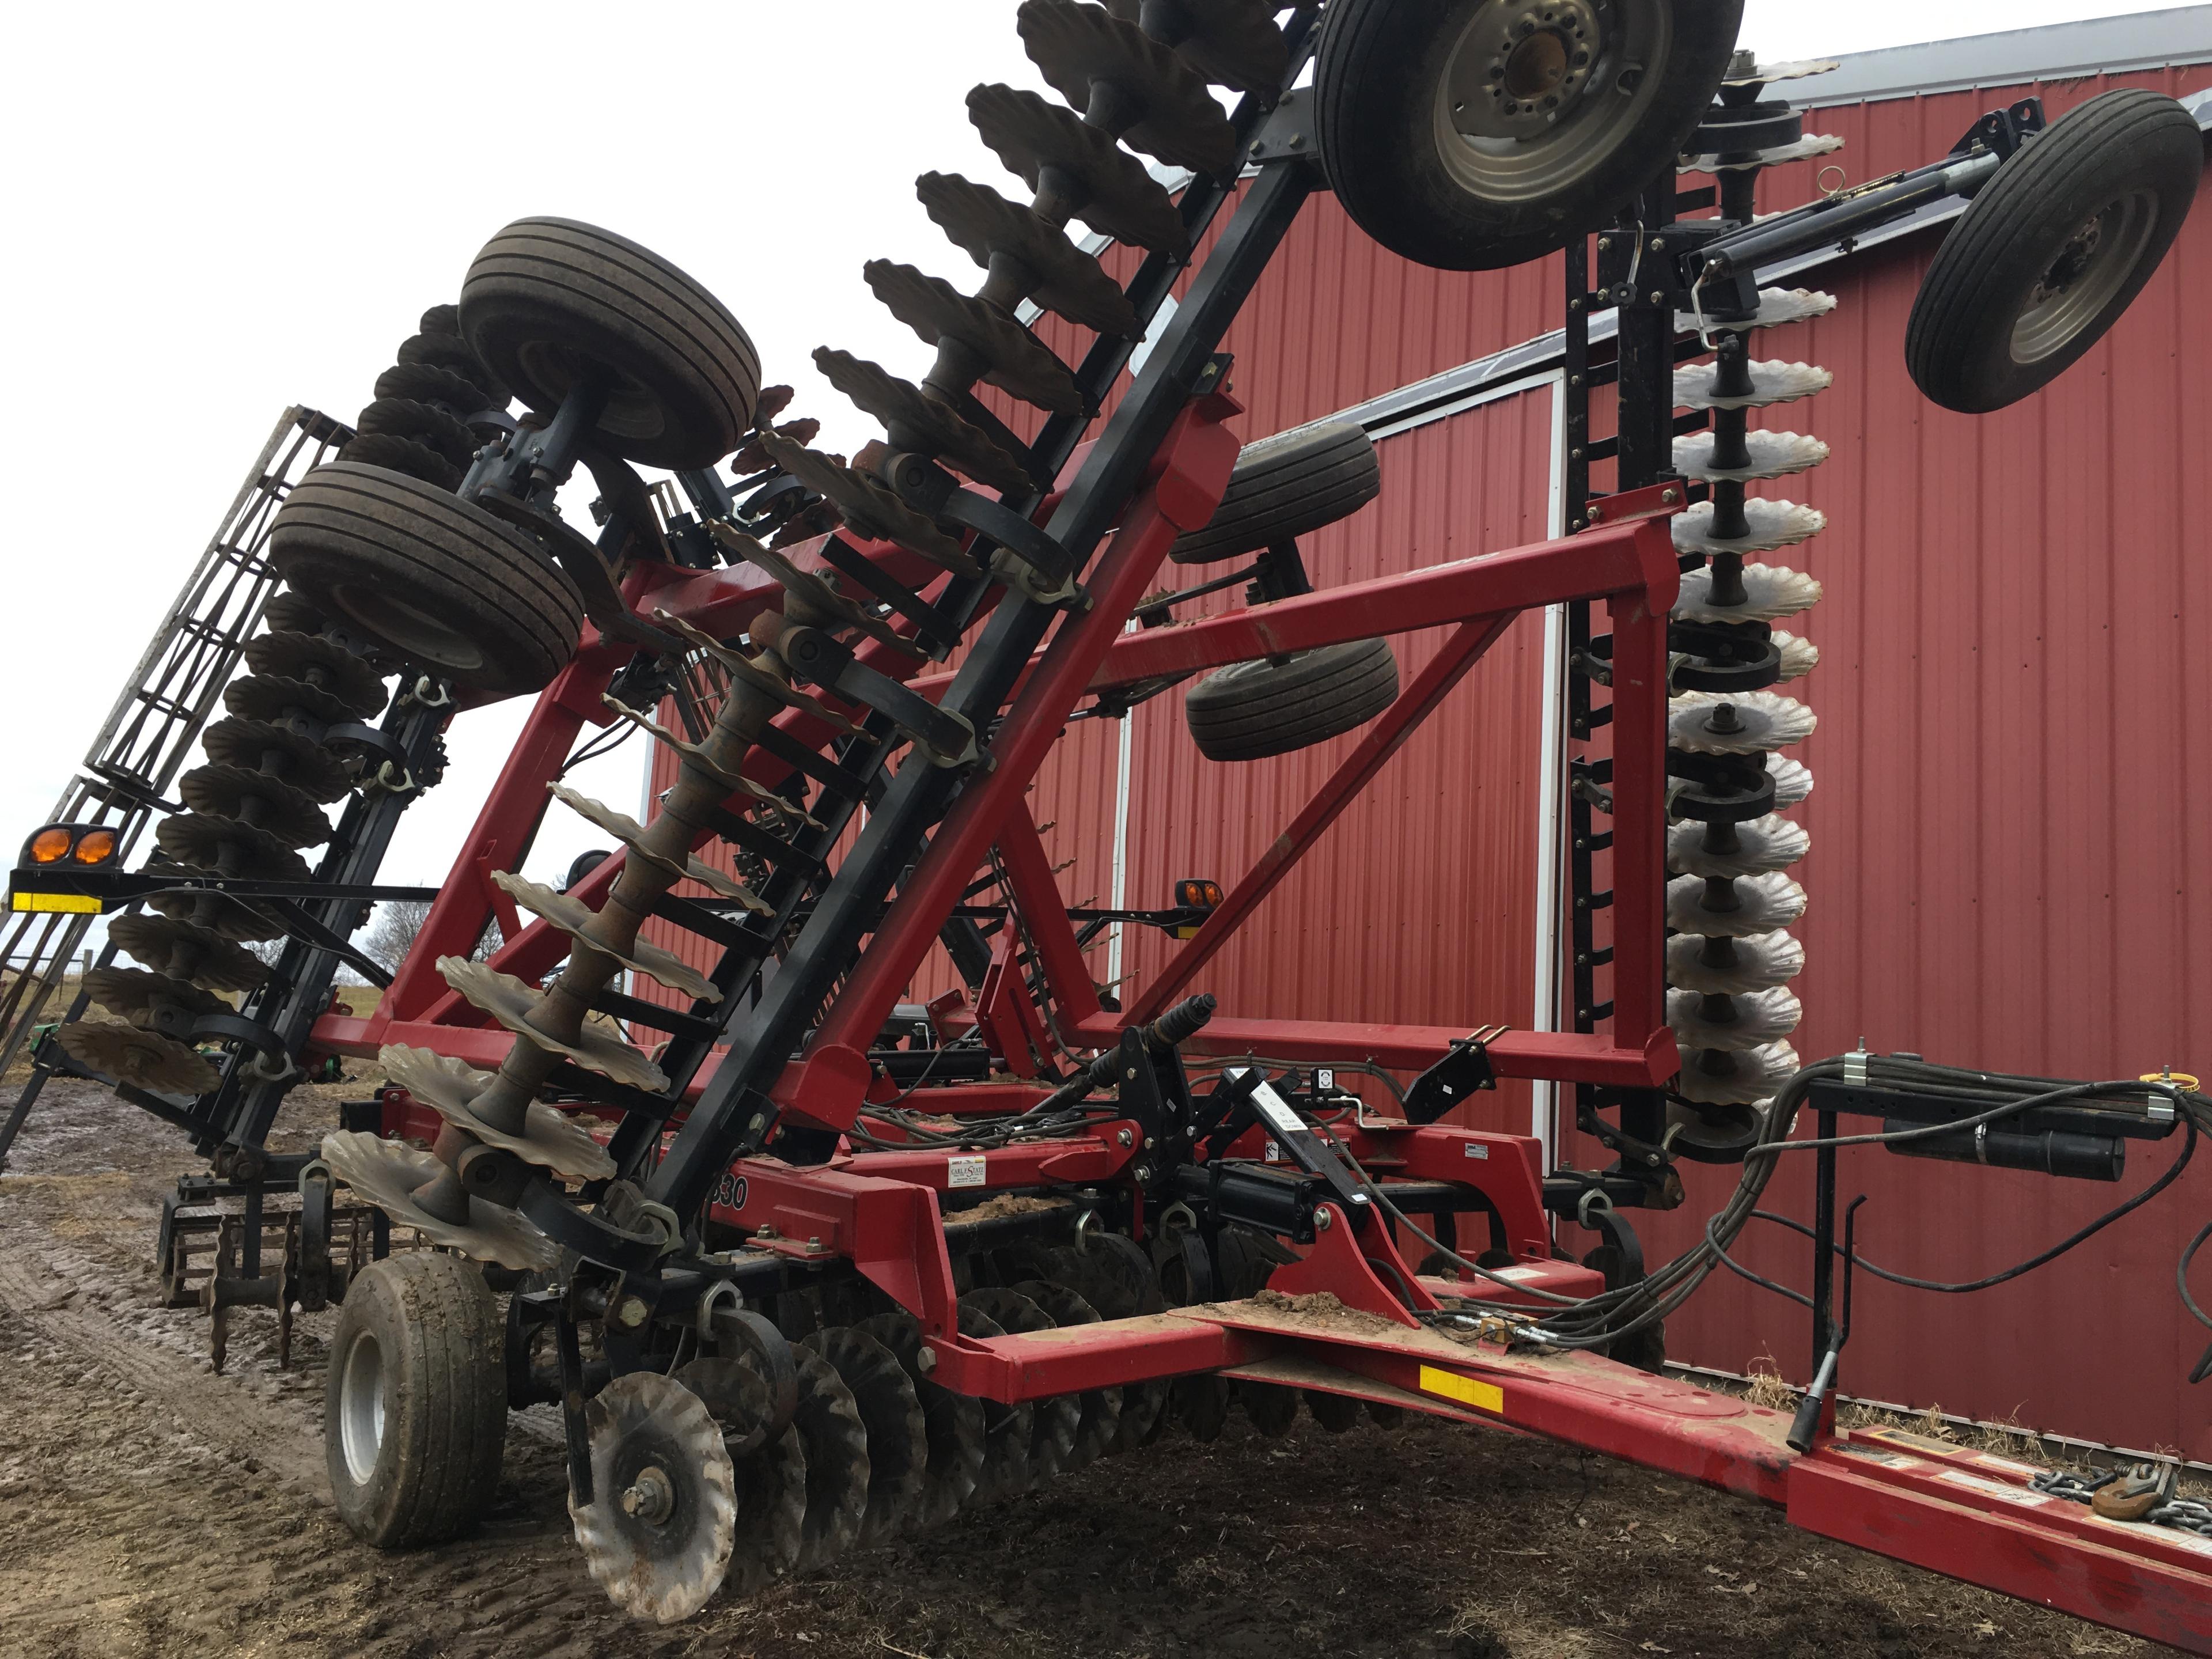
943,736
2001,131
589,1237
1031,559
1300,1145
270,1049
1463,1071
1288,132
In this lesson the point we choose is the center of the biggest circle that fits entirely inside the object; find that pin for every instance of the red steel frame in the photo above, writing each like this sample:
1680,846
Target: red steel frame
1962,1513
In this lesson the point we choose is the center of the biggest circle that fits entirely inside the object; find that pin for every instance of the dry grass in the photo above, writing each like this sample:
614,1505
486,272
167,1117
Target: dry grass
1764,1385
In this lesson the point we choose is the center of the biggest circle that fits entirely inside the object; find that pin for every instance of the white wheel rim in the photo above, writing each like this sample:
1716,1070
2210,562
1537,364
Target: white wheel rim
361,1407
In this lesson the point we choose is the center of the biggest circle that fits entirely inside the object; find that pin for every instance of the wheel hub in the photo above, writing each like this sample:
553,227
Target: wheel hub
1522,65
361,1407
650,1498
658,1536
2081,282
2073,259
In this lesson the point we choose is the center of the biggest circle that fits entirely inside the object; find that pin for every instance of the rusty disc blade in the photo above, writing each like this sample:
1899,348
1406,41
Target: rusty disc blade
1232,43
224,791
1078,46
981,223
1013,359
1121,200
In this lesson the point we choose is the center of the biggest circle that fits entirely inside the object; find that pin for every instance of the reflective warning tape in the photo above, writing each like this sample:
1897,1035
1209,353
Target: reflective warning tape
1450,1385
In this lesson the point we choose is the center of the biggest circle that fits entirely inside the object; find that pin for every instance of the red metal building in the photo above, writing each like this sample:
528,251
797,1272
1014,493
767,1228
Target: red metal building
2013,814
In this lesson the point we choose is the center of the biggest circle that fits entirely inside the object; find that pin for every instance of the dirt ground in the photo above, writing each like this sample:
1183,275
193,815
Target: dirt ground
148,1507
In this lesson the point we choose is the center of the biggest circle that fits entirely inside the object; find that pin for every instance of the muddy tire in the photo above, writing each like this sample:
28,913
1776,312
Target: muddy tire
1455,138
434,581
1285,486
2054,248
548,302
1250,710
415,1402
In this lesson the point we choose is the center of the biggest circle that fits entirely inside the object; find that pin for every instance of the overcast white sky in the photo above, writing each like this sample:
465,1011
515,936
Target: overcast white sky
218,211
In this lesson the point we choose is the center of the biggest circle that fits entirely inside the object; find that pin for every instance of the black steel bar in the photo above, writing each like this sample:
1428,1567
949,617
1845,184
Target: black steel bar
733,1111
1832,218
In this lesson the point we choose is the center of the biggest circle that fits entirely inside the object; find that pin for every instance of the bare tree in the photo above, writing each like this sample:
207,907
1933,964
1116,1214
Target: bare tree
391,933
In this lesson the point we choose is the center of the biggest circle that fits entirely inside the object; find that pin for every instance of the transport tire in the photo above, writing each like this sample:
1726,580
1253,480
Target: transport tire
1250,710
548,302
414,1400
2054,248
1285,486
1471,135
433,581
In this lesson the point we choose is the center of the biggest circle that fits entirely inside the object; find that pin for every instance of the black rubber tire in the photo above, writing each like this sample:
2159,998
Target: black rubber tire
421,1334
426,424
436,582
1250,710
547,297
1383,119
1285,486
2130,147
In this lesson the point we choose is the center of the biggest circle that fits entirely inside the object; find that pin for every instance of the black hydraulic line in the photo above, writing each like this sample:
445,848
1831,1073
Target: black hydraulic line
1604,1318
2042,1258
